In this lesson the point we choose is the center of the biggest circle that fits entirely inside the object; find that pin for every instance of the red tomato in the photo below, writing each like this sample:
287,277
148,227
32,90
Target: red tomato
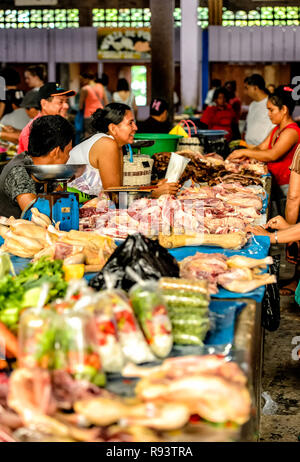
159,310
92,360
107,327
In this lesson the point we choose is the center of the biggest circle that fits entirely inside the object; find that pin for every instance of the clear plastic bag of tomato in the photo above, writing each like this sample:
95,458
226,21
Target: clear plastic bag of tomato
132,341
66,341
107,333
152,315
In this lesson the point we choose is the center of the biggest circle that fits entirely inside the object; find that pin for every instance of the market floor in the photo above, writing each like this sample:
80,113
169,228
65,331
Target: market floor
280,415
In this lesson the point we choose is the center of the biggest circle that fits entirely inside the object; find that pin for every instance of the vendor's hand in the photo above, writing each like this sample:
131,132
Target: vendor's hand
257,230
165,188
277,223
9,129
237,154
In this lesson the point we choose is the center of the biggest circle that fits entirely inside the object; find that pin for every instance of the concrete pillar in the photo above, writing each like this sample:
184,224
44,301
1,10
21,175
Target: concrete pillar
100,69
189,54
51,71
162,46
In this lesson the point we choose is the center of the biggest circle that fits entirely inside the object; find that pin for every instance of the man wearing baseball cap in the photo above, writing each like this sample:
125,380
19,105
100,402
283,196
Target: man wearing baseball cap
53,101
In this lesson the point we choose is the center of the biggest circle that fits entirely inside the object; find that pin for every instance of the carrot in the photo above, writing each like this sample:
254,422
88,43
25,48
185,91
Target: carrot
9,340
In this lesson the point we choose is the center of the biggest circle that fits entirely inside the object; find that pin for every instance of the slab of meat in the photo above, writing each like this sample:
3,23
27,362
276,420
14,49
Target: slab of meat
215,389
230,224
204,266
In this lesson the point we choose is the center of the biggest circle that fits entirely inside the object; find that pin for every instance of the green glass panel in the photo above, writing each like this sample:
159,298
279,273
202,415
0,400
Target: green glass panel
177,13
255,22
240,23
293,22
292,11
279,22
253,14
266,12
279,12
241,15
147,13
112,14
227,22
228,14
266,22
202,13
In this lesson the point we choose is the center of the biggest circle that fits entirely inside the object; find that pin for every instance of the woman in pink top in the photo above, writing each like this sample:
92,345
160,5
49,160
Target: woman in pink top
92,97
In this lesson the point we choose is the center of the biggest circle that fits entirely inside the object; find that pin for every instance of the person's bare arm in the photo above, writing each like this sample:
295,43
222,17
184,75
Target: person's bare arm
105,156
2,107
293,199
284,144
25,199
82,98
290,234
10,135
105,99
165,188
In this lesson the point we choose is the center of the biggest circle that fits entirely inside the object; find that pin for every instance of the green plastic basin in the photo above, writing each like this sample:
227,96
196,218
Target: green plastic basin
163,142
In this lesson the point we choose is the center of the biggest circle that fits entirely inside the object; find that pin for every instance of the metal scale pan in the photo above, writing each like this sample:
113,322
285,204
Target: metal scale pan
57,172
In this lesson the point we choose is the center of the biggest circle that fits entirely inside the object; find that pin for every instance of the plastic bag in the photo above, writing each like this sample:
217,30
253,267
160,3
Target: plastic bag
270,407
89,183
188,303
134,346
107,336
270,309
153,317
178,130
176,167
147,258
6,265
65,341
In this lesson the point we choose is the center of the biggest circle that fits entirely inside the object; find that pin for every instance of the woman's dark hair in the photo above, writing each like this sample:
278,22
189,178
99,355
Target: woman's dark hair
283,96
87,76
38,71
158,106
122,85
10,75
48,133
258,81
216,83
231,84
221,91
112,113
104,79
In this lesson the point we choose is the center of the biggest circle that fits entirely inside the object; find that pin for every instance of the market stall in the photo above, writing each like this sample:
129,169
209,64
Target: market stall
197,325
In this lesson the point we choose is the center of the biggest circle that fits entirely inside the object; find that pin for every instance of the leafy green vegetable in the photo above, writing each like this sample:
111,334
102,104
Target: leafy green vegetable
22,291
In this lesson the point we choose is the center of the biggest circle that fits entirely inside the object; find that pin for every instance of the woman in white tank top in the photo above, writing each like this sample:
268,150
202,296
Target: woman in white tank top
114,126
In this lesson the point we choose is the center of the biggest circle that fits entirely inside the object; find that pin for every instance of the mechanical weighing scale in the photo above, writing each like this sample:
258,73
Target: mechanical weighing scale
60,206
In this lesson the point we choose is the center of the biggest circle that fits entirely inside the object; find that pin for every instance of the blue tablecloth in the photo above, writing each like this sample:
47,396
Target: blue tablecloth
256,247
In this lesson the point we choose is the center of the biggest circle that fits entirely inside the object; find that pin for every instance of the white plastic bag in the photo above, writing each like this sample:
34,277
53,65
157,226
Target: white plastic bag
176,167
89,182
